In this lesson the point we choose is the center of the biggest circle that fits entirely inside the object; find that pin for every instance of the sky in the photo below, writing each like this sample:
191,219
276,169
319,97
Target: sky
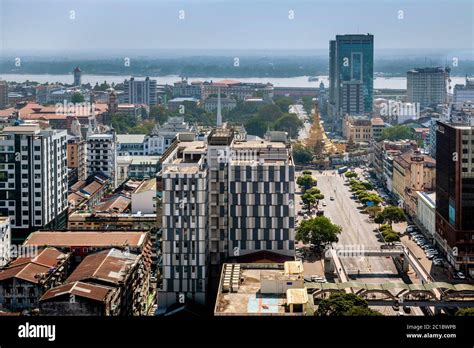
102,26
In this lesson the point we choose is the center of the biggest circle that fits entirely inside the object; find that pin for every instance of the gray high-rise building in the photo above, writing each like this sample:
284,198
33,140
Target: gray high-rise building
351,82
427,86
224,198
3,94
140,91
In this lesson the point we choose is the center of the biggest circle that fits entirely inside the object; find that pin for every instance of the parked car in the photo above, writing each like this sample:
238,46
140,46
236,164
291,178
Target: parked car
324,203
460,275
407,309
331,198
396,306
315,278
437,262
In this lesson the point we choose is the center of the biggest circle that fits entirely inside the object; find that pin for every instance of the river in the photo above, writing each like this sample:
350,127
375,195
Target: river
298,81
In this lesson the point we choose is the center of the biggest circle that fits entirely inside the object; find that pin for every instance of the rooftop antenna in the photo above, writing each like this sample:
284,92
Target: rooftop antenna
219,115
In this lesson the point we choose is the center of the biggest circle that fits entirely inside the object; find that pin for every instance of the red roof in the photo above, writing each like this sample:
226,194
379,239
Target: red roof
80,289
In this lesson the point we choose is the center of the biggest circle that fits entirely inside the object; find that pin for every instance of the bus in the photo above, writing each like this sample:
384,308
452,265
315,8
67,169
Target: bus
342,170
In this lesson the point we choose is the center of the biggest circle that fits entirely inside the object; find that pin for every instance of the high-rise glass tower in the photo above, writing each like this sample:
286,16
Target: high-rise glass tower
351,74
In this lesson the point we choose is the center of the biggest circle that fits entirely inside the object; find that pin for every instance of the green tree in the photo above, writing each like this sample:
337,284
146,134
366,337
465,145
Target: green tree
269,113
309,200
393,214
319,231
343,304
284,103
77,98
307,172
159,113
302,154
307,104
306,182
465,312
398,132
256,126
350,174
289,123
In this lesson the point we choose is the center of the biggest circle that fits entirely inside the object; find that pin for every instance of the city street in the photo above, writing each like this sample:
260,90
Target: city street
357,233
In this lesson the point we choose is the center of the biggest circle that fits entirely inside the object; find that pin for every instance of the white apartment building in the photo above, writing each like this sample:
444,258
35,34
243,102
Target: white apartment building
33,178
5,240
140,91
464,93
426,211
102,155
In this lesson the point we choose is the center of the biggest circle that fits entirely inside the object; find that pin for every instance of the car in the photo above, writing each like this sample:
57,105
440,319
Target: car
396,306
305,216
437,262
460,275
331,198
323,203
300,213
315,278
406,309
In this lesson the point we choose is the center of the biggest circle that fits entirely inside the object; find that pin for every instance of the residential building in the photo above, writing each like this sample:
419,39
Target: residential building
426,212
116,283
33,178
351,81
102,155
454,183
357,128
222,198
86,194
140,91
112,221
83,243
138,167
412,172
464,93
241,90
25,279
378,125
184,89
154,143
143,198
77,158
3,94
210,104
427,86
5,240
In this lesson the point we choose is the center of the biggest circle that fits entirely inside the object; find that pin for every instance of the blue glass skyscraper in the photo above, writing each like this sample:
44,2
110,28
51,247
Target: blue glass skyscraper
351,75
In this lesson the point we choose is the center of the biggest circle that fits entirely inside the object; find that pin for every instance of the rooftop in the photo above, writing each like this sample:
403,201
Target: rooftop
131,138
147,185
85,239
109,266
80,289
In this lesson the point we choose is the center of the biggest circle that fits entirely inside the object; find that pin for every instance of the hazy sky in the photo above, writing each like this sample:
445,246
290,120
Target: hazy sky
101,25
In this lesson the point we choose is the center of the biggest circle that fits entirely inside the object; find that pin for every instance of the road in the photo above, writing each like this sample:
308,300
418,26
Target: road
303,116
357,233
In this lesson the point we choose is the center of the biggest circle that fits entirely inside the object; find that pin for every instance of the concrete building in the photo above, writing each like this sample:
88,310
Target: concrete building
412,172
137,167
241,90
111,221
109,282
427,86
33,178
102,155
464,93
3,94
143,198
5,240
140,91
357,128
77,158
184,89
84,195
154,143
378,125
222,198
25,279
210,104
256,289
179,103
454,182
426,212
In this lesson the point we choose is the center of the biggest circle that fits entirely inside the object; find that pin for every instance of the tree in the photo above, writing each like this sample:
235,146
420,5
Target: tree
77,98
269,113
307,104
307,172
159,113
343,304
398,132
373,210
284,103
379,219
256,126
302,154
309,200
306,182
393,214
289,123
319,231
350,174
465,312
